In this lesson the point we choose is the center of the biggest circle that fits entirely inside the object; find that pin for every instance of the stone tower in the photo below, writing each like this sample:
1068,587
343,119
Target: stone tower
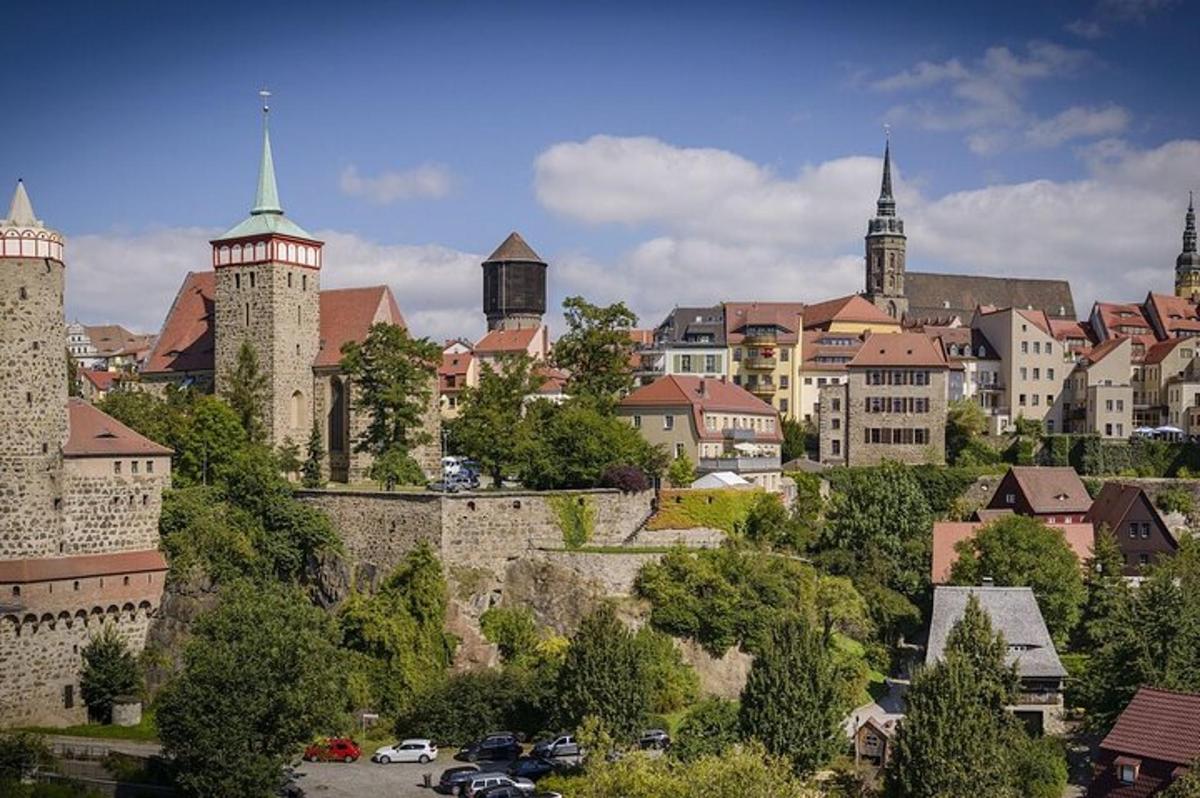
514,286
33,383
268,283
1187,265
885,249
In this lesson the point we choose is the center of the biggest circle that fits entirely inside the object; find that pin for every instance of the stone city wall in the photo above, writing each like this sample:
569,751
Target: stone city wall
475,530
106,512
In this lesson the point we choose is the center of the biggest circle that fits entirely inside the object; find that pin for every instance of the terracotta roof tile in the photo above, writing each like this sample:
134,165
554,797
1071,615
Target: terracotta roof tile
87,565
850,309
821,355
1159,352
100,380
898,349
186,340
347,315
786,317
1103,350
702,394
507,340
96,434
1158,724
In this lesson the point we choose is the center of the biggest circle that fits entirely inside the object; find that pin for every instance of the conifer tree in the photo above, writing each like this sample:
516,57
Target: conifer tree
602,677
245,390
311,472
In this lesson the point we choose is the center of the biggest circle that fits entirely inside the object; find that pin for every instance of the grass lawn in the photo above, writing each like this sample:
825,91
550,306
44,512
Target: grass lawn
145,731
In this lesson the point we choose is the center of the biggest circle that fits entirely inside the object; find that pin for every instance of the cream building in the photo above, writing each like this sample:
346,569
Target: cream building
1034,366
1099,397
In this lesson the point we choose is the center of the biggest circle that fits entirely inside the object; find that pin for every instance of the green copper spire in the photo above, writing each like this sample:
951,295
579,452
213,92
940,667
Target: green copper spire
267,198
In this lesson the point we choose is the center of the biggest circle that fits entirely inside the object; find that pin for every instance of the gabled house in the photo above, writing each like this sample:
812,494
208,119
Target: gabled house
1054,494
1153,743
1014,613
1135,522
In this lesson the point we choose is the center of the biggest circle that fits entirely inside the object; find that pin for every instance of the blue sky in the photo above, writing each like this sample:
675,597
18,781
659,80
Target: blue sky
657,153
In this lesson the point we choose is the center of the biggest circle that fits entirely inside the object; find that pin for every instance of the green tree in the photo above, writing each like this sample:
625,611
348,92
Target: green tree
262,676
490,426
109,671
671,681
681,473
794,697
707,729
572,446
603,677
957,738
209,441
796,436
1107,606
245,389
1017,551
511,629
881,523
288,455
21,753
310,472
74,384
395,467
596,349
393,376
965,422
769,523
1187,786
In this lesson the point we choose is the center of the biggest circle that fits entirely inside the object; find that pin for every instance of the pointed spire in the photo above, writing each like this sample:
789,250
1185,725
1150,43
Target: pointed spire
886,206
1189,228
267,198
20,212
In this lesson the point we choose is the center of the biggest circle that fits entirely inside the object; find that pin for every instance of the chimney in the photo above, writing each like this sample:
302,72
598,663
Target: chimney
703,388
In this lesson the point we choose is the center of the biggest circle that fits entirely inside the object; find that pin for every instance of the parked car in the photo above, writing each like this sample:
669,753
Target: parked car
530,767
562,745
454,777
406,751
334,749
486,781
454,483
547,795
503,791
500,745
655,738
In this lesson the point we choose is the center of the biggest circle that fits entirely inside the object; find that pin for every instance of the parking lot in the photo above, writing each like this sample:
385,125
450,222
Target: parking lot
365,778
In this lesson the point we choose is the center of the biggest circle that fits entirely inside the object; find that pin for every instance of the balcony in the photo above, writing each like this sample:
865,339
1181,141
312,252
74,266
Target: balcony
739,465
760,338
738,433
761,388
760,362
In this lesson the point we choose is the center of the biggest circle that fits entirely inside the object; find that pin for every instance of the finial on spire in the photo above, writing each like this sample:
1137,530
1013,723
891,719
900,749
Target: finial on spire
886,206
267,198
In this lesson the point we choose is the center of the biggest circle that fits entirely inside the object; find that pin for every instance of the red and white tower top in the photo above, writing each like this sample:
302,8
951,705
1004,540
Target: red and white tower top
267,235
23,235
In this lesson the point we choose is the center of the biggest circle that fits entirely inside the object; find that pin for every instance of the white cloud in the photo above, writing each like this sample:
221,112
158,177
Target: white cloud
720,226
132,279
988,98
428,181
1088,29
1078,122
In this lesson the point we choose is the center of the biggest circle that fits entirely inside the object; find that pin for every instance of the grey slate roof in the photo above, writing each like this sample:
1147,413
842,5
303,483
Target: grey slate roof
937,296
684,325
1014,613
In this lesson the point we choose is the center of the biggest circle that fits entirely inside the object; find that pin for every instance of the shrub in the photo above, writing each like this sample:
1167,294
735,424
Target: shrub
576,518
1177,499
707,729
512,629
21,753
109,672
681,473
673,684
1042,768
396,467
718,508
625,478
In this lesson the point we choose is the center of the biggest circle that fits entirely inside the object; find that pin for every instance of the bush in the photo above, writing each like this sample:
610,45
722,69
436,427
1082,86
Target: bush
1042,768
673,684
109,672
707,729
1177,499
511,629
21,753
470,705
625,478
681,473
396,467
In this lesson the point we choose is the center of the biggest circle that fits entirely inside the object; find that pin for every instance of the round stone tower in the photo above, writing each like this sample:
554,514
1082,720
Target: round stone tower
514,286
33,383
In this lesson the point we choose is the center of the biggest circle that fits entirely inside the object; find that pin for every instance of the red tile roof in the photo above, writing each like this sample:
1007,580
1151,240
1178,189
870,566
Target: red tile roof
703,395
507,340
1159,352
96,434
947,534
347,315
1158,724
186,340
820,356
1103,350
898,349
1172,314
851,308
100,380
87,565
1065,329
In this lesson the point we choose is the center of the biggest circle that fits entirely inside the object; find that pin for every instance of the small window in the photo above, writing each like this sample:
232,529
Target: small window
637,422
304,282
251,279
116,466
668,422
1010,498
289,279
68,696
22,293
237,281
133,466
149,466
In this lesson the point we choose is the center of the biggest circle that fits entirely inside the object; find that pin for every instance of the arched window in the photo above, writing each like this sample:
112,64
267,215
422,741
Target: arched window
297,409
337,416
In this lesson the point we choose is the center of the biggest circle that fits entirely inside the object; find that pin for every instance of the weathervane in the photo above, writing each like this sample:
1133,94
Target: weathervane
265,95
887,131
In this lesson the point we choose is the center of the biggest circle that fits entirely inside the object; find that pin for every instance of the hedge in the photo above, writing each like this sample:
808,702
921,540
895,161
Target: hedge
1141,457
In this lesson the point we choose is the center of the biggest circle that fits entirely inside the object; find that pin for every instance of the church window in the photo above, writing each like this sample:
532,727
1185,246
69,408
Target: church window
337,417
297,408
260,253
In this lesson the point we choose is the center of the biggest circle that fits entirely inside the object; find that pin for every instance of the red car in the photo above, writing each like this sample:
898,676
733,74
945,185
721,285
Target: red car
335,749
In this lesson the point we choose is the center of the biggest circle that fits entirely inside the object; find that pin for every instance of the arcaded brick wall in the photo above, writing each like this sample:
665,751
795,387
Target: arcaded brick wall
33,405
105,511
255,303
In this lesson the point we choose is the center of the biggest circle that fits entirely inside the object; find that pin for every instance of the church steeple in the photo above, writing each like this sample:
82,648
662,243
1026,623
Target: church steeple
267,198
1187,265
886,248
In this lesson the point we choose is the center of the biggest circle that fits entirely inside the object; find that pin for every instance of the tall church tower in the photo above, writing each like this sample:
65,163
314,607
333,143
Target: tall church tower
885,249
1187,265
33,383
268,293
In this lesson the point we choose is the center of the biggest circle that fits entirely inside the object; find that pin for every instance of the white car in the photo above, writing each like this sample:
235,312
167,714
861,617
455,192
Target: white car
406,751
